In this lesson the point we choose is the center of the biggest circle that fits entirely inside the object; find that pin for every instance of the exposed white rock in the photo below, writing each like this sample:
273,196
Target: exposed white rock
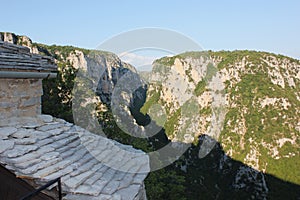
282,141
283,102
77,59
252,158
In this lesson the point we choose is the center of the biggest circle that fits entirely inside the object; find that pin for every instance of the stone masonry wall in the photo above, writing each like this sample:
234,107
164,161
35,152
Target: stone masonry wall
20,98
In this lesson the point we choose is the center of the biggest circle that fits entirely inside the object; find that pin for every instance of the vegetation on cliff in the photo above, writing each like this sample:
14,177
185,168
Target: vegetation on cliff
261,127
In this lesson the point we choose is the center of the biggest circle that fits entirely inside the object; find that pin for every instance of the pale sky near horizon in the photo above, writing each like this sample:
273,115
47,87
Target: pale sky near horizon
271,26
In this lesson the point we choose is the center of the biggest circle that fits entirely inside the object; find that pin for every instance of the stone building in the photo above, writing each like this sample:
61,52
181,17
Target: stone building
37,148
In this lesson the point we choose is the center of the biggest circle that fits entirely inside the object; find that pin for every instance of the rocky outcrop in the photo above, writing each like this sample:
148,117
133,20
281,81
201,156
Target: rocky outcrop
179,85
106,70
20,40
8,37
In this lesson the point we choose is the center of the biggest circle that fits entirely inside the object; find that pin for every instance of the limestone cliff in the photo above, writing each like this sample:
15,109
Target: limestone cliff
260,92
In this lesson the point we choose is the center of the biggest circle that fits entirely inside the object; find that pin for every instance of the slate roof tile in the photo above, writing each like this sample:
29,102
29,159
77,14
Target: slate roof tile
7,131
19,57
90,166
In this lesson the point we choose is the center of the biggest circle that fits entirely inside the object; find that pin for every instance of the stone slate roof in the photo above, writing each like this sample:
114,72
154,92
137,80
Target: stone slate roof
15,57
91,166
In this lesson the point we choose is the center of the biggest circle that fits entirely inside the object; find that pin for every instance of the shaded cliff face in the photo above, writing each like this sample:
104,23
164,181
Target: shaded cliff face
219,176
262,99
103,67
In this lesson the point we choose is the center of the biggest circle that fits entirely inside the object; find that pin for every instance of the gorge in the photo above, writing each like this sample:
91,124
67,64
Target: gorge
256,154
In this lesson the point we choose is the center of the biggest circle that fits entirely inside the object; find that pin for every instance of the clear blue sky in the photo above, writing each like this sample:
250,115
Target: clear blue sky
254,24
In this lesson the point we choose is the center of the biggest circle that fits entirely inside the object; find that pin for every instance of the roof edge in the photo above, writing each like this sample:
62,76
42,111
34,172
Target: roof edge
27,74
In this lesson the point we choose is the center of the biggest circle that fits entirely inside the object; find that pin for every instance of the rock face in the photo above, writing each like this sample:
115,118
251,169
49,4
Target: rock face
104,68
107,70
186,84
8,37
260,93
